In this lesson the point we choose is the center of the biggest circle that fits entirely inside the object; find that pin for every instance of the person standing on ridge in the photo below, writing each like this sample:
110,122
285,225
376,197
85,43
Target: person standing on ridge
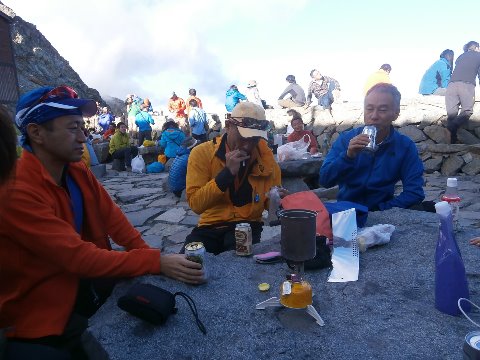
461,88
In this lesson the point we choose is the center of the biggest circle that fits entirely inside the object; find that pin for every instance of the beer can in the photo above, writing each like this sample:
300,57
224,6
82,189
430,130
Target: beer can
195,251
371,131
243,239
471,346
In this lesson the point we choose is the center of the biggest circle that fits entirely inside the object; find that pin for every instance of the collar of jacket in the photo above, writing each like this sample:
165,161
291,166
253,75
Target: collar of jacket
265,160
32,166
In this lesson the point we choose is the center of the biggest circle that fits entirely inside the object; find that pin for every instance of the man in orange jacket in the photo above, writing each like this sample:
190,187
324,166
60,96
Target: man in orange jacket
54,235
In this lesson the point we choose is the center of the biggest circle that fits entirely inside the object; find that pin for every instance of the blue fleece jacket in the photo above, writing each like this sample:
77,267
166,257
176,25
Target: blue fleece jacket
143,120
177,177
104,120
369,179
197,119
232,98
171,140
437,75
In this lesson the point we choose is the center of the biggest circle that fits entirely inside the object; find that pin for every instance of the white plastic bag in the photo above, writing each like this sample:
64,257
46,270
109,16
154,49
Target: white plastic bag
138,164
345,259
374,235
294,150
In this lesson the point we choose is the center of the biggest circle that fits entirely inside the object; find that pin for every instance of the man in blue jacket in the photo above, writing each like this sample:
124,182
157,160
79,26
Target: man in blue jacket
198,121
436,78
369,178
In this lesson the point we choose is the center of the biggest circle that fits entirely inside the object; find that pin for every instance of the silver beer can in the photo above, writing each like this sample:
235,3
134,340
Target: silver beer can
195,251
371,131
243,239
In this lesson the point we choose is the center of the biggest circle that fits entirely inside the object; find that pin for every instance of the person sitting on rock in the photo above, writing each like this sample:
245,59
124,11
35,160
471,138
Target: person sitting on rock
296,95
171,139
436,78
325,89
253,95
105,119
119,147
144,121
198,121
233,97
369,177
300,133
177,176
55,235
110,132
228,179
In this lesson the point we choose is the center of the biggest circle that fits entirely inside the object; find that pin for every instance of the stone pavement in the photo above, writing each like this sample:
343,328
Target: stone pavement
165,221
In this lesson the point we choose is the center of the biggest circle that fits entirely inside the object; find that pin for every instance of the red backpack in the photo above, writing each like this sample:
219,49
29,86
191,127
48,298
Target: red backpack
309,201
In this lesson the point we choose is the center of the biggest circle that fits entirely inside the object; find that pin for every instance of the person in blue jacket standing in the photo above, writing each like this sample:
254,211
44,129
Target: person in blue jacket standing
198,121
177,176
233,97
436,78
144,121
171,139
367,177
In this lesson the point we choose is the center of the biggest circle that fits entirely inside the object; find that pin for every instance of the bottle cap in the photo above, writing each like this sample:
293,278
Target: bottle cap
443,208
452,182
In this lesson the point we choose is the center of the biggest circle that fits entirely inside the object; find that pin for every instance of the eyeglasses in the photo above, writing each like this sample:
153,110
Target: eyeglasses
250,123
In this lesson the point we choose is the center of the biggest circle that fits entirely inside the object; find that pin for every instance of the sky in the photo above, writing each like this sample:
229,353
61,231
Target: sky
153,47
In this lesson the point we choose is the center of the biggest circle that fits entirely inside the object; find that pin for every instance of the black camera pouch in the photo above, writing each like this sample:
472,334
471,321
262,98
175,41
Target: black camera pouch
154,304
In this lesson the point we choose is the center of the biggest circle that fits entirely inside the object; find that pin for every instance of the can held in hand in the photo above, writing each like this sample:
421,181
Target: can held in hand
471,346
243,239
371,131
195,251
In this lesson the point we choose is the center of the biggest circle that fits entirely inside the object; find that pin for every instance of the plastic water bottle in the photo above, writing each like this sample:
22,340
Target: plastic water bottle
450,278
453,199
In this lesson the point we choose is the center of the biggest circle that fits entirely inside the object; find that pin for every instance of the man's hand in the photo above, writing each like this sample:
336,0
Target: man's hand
177,267
357,144
233,159
283,192
475,241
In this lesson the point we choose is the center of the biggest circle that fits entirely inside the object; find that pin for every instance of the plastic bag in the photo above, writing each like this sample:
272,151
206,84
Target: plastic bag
294,150
155,167
345,259
274,205
374,235
138,164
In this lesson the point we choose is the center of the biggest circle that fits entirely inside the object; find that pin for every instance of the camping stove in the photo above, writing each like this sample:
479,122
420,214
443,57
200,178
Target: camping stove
298,232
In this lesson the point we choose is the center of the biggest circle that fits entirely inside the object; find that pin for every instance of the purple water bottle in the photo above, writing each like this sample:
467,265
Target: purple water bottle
450,278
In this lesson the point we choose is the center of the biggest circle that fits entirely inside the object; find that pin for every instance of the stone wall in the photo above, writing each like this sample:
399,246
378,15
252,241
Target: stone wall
423,119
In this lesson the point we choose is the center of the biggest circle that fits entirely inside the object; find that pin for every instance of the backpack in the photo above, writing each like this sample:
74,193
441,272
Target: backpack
309,201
